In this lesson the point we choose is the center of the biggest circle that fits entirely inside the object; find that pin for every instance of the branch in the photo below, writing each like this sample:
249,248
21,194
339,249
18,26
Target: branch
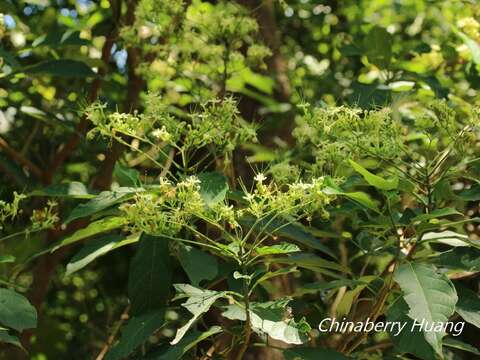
114,333
19,158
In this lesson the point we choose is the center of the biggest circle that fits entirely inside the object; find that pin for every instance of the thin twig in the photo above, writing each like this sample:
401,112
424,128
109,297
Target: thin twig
22,160
114,333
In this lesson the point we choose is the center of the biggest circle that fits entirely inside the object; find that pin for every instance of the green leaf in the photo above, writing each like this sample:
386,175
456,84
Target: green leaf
189,341
102,201
436,214
460,345
309,261
281,248
447,237
15,311
360,197
421,285
61,68
213,187
345,305
472,46
198,264
6,259
472,194
271,274
56,39
150,275
92,229
375,180
378,47
408,340
468,305
75,190
269,318
307,353
313,288
199,302
96,248
9,339
292,231
9,58
126,176
459,258
137,330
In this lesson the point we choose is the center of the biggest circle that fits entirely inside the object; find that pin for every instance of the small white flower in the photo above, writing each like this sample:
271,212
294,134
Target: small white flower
260,177
162,134
249,197
190,182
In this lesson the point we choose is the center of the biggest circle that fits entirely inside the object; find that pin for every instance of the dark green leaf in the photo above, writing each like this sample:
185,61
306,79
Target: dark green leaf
436,214
102,201
459,258
9,58
9,339
15,311
408,340
468,305
62,68
96,248
309,261
55,39
472,194
150,275
92,229
460,345
136,332
198,264
190,340
378,47
313,288
75,190
292,231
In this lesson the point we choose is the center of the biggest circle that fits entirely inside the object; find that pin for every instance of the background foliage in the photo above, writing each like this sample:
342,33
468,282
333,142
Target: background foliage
210,179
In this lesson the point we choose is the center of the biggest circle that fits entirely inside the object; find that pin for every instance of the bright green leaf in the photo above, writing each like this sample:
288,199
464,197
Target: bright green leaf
92,229
375,180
